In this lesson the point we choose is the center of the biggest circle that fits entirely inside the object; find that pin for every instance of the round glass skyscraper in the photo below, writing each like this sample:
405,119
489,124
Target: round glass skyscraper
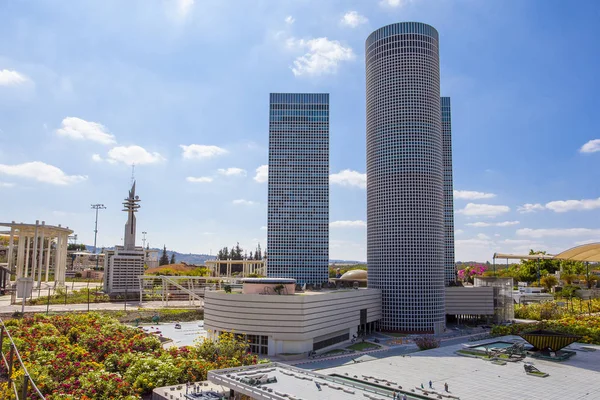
405,196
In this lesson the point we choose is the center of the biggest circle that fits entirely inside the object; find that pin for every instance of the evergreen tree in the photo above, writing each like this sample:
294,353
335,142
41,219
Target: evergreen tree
164,258
236,252
251,256
172,258
257,253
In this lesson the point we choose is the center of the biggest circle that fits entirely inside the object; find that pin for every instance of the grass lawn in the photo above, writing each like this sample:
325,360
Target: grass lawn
394,334
363,346
481,355
334,351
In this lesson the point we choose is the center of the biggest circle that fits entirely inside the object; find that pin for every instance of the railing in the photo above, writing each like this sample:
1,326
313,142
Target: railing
9,364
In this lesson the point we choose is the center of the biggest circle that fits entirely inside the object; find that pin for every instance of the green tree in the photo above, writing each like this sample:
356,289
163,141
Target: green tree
172,259
590,280
164,258
572,267
549,281
258,253
568,278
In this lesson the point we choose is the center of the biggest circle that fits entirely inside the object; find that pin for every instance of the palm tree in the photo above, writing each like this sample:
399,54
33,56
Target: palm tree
549,281
590,280
568,278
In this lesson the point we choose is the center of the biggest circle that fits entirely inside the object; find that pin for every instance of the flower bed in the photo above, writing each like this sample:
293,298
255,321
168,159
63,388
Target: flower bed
586,326
91,356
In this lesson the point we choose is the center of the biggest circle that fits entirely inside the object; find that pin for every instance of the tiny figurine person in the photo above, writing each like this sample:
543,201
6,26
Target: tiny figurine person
446,387
422,387
430,384
404,397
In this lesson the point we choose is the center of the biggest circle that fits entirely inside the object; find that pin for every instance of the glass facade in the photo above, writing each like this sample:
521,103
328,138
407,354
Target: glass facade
298,198
449,266
405,177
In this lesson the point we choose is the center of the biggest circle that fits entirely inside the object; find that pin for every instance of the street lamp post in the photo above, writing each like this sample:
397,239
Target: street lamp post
144,239
97,207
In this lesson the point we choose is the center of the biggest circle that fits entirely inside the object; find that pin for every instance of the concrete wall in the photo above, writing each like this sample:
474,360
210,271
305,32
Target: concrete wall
291,322
470,300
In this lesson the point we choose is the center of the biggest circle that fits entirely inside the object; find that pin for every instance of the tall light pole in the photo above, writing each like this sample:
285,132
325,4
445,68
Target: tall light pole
144,240
97,207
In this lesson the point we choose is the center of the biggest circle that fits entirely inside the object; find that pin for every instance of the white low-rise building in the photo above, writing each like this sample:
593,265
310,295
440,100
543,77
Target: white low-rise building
291,323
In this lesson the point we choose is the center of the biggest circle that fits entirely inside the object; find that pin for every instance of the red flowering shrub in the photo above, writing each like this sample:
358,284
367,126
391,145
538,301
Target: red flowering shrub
90,356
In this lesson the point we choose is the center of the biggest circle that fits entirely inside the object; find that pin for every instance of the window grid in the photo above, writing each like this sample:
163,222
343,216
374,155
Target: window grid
405,176
298,197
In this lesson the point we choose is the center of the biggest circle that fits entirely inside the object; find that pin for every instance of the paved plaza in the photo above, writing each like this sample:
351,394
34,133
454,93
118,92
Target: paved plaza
476,379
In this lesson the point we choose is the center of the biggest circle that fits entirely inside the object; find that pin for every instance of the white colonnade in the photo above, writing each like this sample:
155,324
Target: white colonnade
35,244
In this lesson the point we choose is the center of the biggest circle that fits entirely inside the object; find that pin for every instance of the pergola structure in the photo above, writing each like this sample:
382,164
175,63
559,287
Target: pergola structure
34,250
225,268
587,253
536,257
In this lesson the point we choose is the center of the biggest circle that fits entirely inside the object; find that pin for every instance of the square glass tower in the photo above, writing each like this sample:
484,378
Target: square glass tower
449,266
298,209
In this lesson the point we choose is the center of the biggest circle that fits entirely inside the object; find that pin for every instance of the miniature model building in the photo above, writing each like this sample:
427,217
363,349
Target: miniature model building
124,264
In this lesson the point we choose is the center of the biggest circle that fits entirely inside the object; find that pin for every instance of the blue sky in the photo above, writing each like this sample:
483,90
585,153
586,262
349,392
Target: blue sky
181,87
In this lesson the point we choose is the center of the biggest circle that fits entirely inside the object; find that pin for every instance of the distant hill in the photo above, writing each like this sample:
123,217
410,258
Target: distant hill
197,259
200,259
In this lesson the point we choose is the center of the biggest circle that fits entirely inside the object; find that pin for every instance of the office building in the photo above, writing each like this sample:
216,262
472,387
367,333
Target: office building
298,198
405,176
449,266
124,264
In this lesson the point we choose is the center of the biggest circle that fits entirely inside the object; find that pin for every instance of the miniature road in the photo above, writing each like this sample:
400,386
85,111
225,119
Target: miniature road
6,307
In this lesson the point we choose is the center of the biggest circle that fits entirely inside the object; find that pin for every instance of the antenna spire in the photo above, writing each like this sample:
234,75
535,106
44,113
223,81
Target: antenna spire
132,173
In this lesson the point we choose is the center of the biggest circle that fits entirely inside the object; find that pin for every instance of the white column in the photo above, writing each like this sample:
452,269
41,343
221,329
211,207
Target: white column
26,266
11,244
34,251
48,251
41,260
20,254
63,252
57,258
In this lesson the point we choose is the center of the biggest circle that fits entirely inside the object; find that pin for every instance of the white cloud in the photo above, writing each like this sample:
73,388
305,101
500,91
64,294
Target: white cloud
6,185
184,7
591,147
11,78
199,179
560,206
132,155
244,202
472,195
262,174
97,158
348,177
200,151
80,129
353,19
458,231
289,20
581,242
508,223
482,236
394,3
348,224
232,171
486,210
323,56
557,232
263,228
41,172
529,208
486,224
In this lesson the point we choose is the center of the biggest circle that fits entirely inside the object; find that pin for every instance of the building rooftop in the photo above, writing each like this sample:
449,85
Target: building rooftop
294,384
468,378
476,379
